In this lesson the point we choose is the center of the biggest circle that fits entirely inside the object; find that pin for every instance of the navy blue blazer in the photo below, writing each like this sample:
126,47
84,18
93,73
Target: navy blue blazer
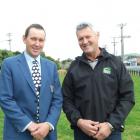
18,99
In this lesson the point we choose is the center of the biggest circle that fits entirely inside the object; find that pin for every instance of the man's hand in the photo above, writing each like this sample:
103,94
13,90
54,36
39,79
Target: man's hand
88,127
104,131
41,132
33,127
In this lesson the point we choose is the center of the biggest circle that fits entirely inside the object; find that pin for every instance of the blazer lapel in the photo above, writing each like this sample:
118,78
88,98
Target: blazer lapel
44,74
25,70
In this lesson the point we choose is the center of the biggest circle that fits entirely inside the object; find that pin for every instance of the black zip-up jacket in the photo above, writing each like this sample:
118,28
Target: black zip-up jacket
103,94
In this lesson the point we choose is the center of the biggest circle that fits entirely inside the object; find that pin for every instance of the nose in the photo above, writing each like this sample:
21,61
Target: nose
37,43
85,41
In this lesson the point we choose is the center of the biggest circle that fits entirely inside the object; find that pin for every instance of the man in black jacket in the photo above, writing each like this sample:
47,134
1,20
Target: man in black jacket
98,90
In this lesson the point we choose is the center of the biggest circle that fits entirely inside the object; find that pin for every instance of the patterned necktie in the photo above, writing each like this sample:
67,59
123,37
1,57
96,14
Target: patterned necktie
37,82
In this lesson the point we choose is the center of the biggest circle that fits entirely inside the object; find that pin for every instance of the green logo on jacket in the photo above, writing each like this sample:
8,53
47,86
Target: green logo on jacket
107,70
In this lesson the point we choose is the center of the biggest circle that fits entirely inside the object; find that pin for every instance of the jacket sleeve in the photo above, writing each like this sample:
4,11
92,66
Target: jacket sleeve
8,102
125,95
68,100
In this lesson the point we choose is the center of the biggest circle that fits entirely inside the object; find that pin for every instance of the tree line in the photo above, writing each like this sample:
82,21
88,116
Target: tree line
6,53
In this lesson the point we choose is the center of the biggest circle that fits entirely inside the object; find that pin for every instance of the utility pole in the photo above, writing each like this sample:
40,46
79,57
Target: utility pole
114,44
9,40
122,40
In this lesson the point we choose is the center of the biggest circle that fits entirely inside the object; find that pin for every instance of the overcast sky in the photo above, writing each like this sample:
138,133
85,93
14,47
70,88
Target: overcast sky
60,17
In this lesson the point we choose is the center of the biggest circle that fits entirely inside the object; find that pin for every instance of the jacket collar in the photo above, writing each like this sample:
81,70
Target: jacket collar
103,55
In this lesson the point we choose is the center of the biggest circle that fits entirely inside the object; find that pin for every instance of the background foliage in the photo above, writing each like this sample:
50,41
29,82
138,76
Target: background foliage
6,53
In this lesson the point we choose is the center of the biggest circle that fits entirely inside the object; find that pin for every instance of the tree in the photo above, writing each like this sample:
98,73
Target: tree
5,53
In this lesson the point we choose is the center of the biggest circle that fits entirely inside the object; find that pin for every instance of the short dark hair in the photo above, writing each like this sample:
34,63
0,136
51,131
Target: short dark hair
37,26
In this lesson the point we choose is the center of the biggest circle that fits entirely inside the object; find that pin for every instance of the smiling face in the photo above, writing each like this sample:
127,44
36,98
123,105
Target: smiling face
34,41
88,40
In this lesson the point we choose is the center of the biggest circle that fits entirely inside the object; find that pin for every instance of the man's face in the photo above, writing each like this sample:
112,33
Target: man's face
34,42
88,40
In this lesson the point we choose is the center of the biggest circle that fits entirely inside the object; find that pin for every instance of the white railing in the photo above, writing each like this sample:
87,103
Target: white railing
134,70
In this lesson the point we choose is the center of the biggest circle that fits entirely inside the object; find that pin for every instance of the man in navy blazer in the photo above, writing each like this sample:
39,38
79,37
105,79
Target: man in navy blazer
18,98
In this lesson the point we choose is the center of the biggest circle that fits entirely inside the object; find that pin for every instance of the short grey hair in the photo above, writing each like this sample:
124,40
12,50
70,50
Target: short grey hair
83,25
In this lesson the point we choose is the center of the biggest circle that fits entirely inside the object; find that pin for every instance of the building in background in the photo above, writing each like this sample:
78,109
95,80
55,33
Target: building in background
132,60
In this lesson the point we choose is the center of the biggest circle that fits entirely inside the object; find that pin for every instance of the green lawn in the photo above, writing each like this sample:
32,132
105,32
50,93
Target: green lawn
132,129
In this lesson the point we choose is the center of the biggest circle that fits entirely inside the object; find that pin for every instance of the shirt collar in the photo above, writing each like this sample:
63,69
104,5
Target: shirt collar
31,59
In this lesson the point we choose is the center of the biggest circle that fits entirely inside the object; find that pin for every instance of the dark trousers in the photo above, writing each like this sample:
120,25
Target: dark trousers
79,135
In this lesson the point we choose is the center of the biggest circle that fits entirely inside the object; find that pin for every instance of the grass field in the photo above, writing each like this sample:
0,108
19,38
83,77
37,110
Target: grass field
132,127
132,131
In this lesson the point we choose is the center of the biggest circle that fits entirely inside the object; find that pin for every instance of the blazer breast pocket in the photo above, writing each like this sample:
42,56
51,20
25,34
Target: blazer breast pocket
52,88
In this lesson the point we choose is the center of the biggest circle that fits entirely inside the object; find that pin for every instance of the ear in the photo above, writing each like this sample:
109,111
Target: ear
98,34
24,38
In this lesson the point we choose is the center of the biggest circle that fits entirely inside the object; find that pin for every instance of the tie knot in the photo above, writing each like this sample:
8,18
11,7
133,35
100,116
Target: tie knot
34,61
